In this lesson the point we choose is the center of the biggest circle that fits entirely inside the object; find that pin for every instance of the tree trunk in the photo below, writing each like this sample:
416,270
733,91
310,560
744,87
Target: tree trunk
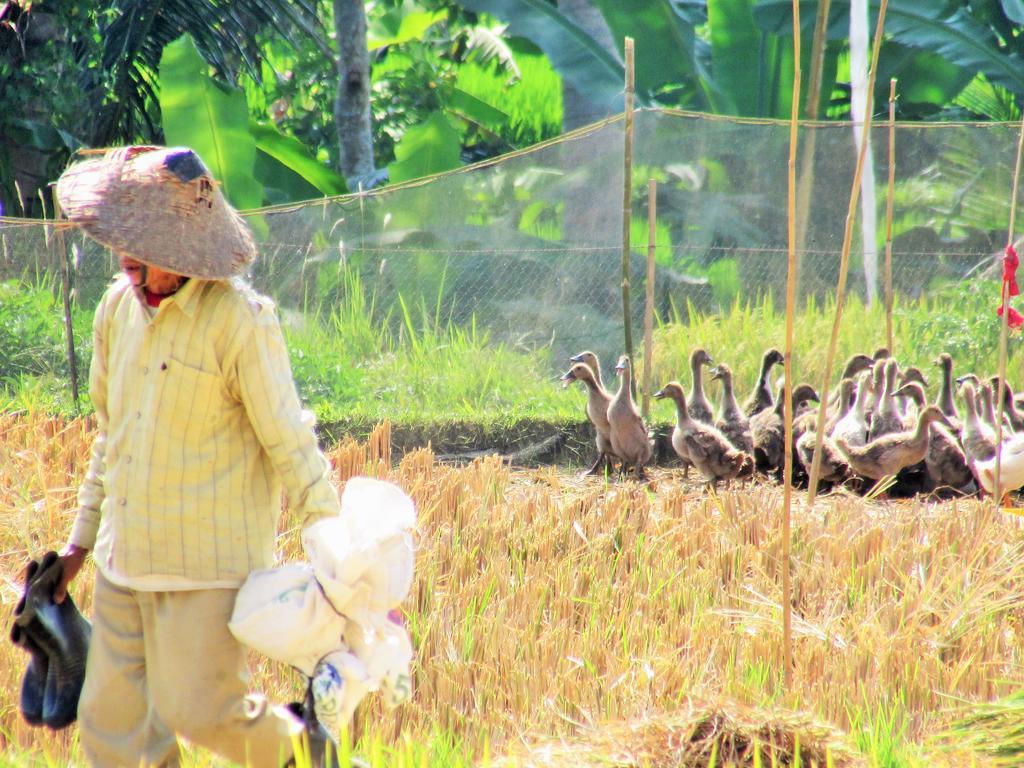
577,109
352,105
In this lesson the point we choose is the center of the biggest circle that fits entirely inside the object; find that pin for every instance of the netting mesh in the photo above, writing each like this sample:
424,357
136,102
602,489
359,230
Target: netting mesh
528,246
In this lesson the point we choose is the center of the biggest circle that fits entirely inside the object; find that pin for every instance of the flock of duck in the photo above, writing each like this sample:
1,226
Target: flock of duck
879,427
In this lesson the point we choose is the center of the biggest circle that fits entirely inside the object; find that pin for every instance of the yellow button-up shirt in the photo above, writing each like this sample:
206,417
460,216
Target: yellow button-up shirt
199,428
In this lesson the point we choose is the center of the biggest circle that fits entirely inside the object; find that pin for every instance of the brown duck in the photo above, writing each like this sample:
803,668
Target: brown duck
853,426
913,373
598,400
761,398
945,400
628,434
833,466
767,428
854,365
590,358
890,453
731,421
877,390
977,437
945,460
704,446
700,408
887,418
1009,405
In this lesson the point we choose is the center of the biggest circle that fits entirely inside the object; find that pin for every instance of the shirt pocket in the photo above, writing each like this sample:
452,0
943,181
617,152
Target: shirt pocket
192,404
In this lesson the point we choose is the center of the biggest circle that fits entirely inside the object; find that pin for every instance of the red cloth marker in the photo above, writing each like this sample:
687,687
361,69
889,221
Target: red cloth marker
1010,264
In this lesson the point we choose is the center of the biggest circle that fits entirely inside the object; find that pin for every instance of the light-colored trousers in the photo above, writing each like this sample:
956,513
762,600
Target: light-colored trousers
163,664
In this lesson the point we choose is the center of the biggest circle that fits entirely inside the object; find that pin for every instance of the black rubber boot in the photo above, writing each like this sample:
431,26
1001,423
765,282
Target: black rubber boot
33,684
63,634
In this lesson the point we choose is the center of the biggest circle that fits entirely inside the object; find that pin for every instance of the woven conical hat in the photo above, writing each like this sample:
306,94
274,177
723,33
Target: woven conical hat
161,206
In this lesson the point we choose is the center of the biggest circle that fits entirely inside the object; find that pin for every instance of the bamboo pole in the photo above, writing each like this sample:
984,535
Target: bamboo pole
787,413
890,341
627,183
1004,331
844,259
65,277
806,185
652,217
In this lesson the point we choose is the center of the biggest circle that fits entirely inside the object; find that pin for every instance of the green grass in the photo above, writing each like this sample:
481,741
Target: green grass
418,367
409,363
959,319
533,102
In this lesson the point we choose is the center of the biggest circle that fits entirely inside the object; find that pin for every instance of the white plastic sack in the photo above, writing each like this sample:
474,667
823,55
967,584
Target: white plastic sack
282,612
332,619
364,558
378,661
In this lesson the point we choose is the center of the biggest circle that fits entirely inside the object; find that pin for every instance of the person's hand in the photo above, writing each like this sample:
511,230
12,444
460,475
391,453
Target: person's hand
72,559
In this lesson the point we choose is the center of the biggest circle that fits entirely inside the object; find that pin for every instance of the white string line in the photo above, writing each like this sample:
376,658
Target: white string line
617,249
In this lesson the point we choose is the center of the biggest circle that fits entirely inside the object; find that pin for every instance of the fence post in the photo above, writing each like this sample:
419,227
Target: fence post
652,216
627,183
65,278
1004,332
888,218
787,391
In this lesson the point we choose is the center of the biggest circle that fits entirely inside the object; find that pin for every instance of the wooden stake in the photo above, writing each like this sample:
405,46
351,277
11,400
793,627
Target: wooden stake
844,259
652,218
65,276
1004,332
787,466
891,342
627,183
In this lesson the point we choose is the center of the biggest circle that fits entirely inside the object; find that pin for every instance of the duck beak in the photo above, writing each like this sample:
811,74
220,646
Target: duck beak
576,359
566,378
659,394
715,373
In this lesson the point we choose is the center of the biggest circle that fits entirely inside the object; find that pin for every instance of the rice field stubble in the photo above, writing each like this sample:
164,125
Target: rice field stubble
545,603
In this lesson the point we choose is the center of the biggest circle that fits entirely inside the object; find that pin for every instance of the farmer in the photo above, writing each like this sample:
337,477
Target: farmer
199,428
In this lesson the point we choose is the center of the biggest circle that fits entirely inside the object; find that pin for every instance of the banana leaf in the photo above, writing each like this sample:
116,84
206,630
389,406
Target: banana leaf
293,155
665,51
210,118
942,28
431,147
574,53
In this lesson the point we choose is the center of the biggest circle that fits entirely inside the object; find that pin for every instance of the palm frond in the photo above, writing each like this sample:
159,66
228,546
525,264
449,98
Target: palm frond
486,44
225,31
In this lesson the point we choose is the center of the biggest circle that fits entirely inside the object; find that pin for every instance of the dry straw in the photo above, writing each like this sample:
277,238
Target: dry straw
700,735
543,601
160,206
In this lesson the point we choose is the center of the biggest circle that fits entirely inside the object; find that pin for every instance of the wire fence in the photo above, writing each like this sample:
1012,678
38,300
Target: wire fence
528,246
